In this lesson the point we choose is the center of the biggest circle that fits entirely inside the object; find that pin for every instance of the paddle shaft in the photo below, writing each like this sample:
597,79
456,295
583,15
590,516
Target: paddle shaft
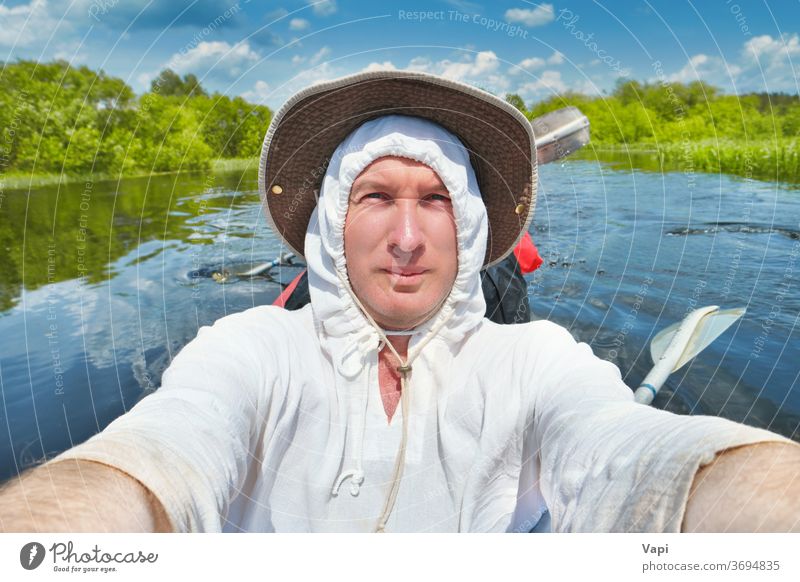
258,269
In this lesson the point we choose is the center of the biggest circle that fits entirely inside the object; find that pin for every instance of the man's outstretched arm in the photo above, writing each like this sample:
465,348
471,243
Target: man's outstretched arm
745,489
79,496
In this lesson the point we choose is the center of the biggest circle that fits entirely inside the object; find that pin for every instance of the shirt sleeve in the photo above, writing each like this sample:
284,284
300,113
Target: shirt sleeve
609,464
191,441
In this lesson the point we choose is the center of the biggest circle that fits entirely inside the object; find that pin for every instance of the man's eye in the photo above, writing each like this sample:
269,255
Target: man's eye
438,198
375,196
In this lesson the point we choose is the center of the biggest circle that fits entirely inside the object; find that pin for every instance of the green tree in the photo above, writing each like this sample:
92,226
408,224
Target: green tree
516,101
169,82
56,118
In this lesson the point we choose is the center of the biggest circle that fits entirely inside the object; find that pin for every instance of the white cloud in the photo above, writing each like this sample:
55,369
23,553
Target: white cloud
539,16
712,70
690,71
297,59
759,45
529,64
534,63
422,64
30,25
483,63
547,83
770,64
260,93
305,78
384,66
298,24
217,56
587,87
320,55
324,7
765,64
771,52
482,70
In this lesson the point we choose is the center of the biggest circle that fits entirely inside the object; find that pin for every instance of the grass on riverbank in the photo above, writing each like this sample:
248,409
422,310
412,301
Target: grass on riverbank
21,181
763,160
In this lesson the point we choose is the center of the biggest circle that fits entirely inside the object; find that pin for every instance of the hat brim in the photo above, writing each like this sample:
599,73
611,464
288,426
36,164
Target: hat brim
309,127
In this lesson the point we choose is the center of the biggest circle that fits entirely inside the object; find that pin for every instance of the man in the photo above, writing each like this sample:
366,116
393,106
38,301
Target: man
391,403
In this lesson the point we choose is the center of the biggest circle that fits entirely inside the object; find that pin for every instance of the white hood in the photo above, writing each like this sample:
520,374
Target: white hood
432,145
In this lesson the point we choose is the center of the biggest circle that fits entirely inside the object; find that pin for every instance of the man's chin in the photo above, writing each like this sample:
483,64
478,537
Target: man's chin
403,317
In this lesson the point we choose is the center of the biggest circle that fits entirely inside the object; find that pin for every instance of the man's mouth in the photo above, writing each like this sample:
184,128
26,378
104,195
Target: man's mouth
406,277
406,272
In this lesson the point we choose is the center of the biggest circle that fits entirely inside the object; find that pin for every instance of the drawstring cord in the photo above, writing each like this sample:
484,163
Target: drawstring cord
404,369
357,474
349,368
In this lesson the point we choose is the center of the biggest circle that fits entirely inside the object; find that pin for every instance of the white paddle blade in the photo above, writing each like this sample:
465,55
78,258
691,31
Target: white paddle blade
709,328
660,343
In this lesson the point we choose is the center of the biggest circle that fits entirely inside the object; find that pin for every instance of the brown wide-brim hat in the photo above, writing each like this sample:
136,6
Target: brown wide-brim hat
308,128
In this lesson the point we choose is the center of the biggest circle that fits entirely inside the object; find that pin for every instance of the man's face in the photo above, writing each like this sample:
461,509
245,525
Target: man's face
400,242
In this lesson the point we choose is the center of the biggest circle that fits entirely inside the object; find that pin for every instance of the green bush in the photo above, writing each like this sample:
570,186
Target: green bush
59,119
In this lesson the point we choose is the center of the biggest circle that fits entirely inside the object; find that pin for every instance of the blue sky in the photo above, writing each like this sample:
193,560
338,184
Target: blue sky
267,50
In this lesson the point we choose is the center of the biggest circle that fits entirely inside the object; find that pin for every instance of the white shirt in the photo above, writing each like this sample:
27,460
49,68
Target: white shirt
247,433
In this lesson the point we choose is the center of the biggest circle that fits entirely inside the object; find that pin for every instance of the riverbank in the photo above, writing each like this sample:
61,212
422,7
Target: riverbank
760,160
777,161
21,181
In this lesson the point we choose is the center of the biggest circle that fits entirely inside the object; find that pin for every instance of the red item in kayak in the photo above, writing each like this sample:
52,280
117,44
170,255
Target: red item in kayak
527,254
281,300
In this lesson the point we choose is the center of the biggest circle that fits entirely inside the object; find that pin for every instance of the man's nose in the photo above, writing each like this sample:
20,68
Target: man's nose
406,235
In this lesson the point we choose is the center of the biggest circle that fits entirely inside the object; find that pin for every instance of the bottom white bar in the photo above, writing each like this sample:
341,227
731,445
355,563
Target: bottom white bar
406,558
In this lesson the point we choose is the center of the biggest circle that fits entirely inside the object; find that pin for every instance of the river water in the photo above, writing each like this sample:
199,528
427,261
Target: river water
103,283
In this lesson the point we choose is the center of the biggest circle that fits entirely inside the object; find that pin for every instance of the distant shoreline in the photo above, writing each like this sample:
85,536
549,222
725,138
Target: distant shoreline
19,181
760,160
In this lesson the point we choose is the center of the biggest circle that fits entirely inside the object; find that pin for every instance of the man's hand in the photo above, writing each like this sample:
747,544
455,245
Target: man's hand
754,488
79,496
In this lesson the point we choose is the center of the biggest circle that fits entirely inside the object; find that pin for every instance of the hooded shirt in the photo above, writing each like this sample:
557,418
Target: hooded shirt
272,420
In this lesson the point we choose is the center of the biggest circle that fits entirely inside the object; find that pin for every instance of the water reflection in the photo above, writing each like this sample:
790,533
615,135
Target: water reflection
54,234
97,298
